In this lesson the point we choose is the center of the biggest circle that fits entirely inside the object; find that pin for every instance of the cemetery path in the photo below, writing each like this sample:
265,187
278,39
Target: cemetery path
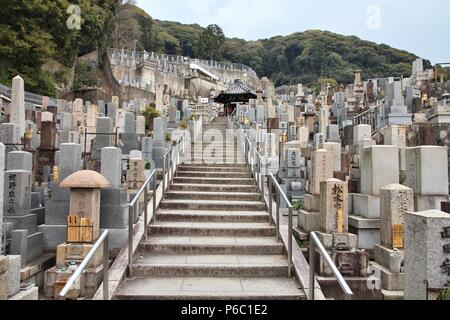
212,240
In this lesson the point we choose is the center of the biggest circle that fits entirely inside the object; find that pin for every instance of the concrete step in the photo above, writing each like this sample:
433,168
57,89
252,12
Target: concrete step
196,288
214,181
211,245
191,168
212,216
212,195
212,187
210,266
217,161
209,165
212,229
212,174
213,205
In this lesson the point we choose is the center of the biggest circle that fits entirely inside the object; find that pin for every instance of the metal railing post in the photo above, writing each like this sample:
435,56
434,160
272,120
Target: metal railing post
130,241
290,242
270,200
164,178
154,197
312,269
277,202
145,211
106,268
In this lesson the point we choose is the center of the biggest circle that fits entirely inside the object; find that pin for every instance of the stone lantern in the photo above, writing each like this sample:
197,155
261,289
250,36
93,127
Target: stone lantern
83,229
85,194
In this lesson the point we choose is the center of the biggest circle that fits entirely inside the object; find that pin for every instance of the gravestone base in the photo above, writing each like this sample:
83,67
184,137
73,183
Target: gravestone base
389,258
4,277
27,222
424,203
399,119
68,253
440,118
351,263
366,206
85,286
367,230
312,202
308,221
28,246
344,241
28,294
390,281
393,295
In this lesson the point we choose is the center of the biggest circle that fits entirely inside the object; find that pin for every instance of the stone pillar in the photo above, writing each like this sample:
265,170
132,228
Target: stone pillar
111,169
70,159
333,206
379,168
361,132
17,106
322,169
336,150
427,257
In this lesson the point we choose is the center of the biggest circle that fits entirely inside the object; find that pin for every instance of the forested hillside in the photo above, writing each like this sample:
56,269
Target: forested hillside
34,33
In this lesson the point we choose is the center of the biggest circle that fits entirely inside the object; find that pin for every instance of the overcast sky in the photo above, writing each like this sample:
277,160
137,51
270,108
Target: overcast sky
421,27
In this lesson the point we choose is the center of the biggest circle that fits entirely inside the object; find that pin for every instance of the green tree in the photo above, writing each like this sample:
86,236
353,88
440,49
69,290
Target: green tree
210,44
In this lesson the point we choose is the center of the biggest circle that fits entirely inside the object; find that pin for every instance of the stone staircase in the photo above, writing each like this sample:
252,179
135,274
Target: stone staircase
211,240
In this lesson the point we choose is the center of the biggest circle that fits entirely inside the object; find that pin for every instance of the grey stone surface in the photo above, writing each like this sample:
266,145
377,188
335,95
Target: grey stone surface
14,274
27,222
396,201
105,126
379,168
427,234
19,244
17,201
111,166
366,206
20,160
70,159
53,235
56,212
427,170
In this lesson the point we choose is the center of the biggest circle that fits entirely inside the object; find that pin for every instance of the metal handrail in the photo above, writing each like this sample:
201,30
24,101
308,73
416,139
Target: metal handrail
316,243
281,194
146,200
104,239
131,205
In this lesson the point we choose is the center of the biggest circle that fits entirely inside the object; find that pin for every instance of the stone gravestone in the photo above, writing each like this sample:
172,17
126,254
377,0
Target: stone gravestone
147,149
336,150
104,137
396,201
136,174
17,105
10,134
293,161
129,137
114,200
427,254
427,175
322,169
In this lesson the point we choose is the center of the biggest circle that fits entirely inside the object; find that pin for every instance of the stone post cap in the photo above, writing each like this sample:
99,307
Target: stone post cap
395,187
85,179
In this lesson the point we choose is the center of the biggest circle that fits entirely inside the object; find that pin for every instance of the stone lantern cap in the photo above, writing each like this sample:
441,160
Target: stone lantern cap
85,179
